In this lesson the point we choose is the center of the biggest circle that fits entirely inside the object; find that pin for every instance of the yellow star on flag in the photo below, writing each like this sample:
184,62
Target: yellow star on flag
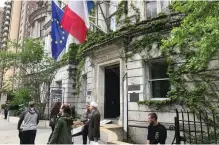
56,42
60,41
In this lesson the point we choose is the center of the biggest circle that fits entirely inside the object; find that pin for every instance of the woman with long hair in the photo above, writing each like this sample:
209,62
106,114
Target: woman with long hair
63,127
53,116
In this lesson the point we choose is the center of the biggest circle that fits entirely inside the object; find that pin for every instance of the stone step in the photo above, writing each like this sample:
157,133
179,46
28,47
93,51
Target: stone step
111,132
117,142
111,126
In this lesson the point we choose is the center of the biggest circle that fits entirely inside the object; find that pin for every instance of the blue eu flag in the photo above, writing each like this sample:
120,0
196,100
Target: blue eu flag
59,35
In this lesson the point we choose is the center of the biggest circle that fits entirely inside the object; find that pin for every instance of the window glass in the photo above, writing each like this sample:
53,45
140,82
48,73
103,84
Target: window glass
151,9
164,6
159,79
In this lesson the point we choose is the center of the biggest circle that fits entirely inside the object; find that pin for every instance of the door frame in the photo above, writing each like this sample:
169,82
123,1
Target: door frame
100,84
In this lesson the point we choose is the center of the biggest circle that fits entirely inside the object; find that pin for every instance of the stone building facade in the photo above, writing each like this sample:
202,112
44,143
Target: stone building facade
115,83
118,84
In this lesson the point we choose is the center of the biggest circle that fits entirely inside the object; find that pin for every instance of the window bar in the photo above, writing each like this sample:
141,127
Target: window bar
184,135
201,127
207,128
215,132
98,4
195,128
190,139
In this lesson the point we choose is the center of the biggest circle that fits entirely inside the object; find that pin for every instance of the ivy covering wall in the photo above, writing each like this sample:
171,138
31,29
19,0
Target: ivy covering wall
188,50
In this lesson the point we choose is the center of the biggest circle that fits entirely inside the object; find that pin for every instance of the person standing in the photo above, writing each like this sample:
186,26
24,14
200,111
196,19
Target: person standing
85,120
53,116
63,127
30,120
94,124
6,109
157,132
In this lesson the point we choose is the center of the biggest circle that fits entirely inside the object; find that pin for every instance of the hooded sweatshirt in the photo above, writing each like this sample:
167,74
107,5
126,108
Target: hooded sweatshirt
62,131
30,119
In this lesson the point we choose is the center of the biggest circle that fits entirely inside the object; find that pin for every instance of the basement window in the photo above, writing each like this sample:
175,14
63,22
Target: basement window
158,79
83,90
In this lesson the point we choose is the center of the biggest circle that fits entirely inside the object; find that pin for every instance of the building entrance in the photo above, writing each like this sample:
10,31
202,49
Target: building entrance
112,92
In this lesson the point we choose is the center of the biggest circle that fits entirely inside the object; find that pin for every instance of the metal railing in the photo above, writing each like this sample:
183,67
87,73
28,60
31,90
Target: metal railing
196,128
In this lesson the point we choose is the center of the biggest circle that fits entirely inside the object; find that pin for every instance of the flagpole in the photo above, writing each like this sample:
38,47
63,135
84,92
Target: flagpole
96,18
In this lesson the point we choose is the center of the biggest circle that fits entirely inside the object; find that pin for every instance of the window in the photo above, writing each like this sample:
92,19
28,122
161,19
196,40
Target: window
57,92
84,86
113,23
59,3
41,32
113,8
59,84
41,29
164,6
151,9
158,79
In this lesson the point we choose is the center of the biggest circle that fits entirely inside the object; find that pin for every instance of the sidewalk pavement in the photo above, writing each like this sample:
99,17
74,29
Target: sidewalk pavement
9,134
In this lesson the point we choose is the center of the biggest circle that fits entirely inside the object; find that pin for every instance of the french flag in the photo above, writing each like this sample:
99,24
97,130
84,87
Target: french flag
76,18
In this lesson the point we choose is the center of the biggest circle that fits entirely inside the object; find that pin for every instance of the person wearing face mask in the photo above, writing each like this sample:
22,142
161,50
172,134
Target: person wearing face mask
157,132
30,120
63,127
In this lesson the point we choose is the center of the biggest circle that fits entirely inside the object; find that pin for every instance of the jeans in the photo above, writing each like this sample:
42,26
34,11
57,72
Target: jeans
20,136
28,137
6,113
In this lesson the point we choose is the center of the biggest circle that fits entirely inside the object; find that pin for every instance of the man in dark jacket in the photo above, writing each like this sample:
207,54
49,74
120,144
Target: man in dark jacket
30,119
94,123
157,132
6,109
72,107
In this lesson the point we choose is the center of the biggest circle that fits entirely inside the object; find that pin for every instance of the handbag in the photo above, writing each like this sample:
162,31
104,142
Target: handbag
52,122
